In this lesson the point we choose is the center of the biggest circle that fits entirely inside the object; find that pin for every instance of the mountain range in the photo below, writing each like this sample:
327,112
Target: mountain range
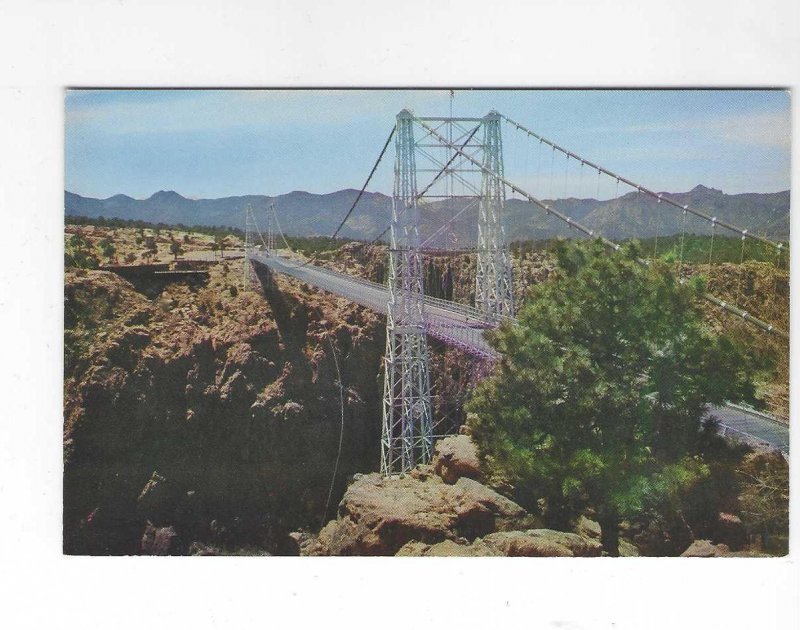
307,214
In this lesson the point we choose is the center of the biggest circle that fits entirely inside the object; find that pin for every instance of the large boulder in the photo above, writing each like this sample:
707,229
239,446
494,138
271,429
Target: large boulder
377,516
456,456
543,543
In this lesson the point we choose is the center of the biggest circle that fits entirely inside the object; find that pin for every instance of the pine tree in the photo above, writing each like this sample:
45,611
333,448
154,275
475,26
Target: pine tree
602,387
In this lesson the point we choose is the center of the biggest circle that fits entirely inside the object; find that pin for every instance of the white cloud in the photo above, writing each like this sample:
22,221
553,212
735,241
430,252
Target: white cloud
769,129
759,129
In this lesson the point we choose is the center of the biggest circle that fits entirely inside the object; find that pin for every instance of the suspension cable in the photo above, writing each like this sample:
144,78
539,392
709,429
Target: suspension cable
639,187
366,183
609,243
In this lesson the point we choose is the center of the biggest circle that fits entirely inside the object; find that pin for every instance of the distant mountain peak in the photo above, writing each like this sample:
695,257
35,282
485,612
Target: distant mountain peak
705,189
165,195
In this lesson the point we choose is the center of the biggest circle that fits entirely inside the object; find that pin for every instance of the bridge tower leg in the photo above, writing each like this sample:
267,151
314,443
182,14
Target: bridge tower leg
493,277
406,438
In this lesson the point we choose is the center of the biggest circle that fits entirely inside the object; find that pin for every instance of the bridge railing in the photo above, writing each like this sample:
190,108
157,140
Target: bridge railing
463,309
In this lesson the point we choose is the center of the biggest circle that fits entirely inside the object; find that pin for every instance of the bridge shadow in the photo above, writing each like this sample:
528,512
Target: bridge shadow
290,317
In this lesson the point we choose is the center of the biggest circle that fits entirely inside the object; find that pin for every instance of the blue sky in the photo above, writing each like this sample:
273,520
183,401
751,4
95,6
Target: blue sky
218,143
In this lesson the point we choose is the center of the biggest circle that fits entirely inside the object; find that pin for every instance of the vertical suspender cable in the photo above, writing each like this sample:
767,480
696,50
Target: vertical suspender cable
741,271
683,238
711,253
597,196
655,245
538,165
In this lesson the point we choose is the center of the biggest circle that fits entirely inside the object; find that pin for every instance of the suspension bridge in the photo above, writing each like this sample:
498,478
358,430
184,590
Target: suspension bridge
467,152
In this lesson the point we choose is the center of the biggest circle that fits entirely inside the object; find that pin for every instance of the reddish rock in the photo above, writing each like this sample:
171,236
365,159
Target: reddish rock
456,456
543,543
378,516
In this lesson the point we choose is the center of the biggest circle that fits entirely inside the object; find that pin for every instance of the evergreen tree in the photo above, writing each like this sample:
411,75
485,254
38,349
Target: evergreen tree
602,388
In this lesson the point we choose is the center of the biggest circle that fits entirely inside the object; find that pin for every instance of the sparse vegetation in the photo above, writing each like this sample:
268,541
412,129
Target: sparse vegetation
659,497
141,226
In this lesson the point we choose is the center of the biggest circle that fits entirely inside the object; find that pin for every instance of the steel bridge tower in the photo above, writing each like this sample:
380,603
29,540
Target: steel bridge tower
493,279
406,438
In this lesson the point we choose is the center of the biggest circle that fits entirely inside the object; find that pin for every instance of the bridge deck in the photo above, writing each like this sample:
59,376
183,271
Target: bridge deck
463,326
454,324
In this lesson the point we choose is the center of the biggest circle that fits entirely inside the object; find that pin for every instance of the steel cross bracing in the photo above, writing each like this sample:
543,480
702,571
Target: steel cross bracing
493,283
407,430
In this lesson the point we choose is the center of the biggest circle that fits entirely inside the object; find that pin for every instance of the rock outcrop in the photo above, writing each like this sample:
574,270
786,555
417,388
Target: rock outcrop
456,456
204,406
424,514
378,516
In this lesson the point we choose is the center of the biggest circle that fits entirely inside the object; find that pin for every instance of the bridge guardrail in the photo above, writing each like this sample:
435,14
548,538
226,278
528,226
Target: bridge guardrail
469,311
467,335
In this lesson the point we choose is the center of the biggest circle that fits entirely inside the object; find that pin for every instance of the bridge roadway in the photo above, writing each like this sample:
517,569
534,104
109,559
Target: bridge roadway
463,326
454,324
